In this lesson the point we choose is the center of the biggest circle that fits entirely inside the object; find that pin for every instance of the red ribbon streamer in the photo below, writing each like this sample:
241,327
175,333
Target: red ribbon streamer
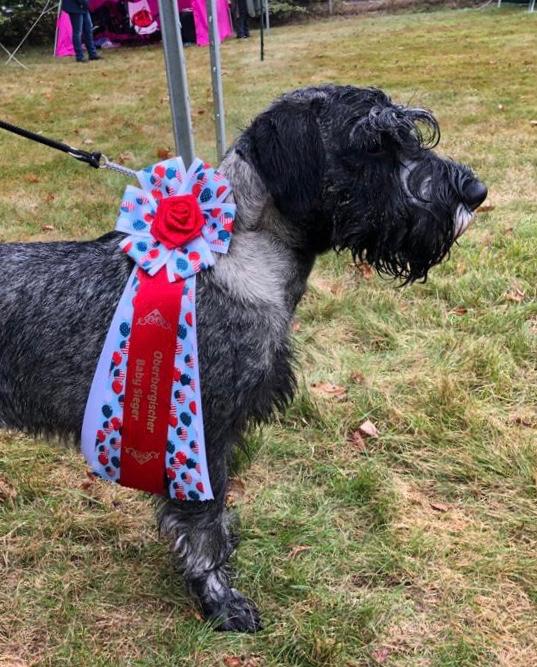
149,382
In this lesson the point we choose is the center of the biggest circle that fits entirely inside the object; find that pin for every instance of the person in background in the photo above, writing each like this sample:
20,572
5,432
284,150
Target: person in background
240,18
78,11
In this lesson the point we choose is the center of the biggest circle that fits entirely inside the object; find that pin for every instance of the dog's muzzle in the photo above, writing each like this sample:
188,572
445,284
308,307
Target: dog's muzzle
475,192
463,219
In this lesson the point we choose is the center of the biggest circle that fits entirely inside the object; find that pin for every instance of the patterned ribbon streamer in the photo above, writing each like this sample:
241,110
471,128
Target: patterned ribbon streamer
143,425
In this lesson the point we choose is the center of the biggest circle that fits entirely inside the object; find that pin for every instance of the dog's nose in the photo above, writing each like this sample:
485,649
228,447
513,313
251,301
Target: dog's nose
474,193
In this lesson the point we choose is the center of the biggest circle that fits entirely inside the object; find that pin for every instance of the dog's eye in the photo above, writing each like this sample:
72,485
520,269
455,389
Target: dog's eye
357,153
377,151
377,148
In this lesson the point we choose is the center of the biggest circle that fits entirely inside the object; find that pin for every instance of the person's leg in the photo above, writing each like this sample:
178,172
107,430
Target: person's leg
243,19
246,20
88,36
76,24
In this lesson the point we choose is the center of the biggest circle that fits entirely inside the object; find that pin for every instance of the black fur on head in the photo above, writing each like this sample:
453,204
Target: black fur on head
353,170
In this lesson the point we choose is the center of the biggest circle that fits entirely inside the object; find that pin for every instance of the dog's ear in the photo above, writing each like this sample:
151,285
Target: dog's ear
287,151
403,126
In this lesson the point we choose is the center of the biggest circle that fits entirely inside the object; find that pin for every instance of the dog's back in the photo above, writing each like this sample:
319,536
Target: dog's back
56,300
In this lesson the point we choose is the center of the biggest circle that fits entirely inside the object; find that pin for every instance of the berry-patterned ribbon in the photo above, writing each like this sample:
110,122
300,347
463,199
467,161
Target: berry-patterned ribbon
173,225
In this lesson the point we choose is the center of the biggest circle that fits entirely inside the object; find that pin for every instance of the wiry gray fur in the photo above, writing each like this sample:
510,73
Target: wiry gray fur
320,168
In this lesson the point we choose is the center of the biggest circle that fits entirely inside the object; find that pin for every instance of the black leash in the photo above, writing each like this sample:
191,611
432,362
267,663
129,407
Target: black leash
95,159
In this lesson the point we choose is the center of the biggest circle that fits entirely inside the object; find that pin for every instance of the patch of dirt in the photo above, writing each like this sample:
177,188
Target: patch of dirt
424,508
507,616
334,287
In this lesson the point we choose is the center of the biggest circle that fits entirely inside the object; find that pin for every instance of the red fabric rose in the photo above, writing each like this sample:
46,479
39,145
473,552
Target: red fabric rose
142,19
178,220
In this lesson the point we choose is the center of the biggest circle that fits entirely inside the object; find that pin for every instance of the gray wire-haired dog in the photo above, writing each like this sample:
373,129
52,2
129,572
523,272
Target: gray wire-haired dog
330,167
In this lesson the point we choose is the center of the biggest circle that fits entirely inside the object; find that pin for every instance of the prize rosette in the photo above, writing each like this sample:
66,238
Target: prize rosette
143,424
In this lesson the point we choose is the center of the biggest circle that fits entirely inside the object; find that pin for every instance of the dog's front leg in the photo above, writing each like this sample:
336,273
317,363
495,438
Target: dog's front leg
203,539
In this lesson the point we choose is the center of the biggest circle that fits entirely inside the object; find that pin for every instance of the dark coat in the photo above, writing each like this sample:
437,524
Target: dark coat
75,6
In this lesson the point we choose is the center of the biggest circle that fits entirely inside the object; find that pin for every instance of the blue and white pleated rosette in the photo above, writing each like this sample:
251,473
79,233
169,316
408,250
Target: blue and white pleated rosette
186,462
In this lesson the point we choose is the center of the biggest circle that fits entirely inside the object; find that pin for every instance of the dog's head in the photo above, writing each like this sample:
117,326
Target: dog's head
351,169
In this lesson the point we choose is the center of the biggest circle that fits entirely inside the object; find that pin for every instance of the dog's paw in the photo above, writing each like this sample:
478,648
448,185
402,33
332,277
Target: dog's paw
236,614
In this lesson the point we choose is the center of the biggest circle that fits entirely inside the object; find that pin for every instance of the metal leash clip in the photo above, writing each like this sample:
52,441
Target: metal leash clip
105,163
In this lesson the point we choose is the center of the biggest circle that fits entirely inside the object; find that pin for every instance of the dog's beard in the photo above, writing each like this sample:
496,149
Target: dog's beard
462,220
404,243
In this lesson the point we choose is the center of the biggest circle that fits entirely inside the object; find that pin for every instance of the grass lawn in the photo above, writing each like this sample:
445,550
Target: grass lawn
418,547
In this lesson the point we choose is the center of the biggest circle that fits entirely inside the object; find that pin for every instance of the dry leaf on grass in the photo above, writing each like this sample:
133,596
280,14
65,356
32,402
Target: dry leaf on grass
524,420
31,178
533,123
369,429
197,615
235,490
7,492
485,208
365,270
329,390
164,153
356,440
232,661
459,310
515,294
297,550
439,507
88,142
295,326
89,482
380,655
125,157
47,228
358,377
242,661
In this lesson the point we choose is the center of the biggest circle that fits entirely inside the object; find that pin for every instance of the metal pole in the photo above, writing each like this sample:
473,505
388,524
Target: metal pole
174,56
57,26
261,30
45,10
216,77
15,59
267,18
330,7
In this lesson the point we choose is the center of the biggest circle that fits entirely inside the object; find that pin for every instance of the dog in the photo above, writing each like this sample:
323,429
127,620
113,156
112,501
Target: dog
329,167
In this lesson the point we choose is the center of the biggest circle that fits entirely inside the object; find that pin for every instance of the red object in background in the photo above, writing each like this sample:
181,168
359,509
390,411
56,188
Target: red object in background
142,19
